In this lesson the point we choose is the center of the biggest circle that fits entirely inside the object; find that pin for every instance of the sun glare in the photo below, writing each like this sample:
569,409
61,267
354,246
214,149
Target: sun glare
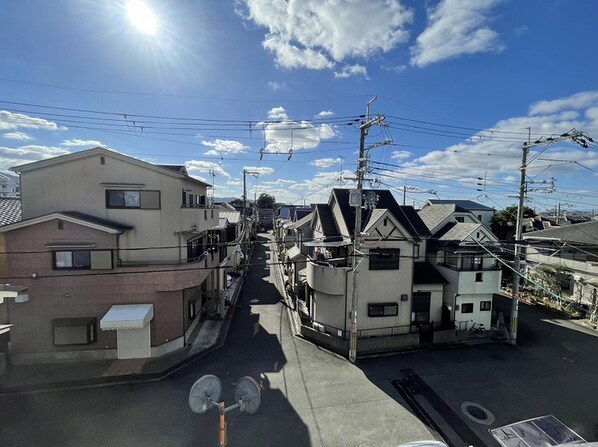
142,17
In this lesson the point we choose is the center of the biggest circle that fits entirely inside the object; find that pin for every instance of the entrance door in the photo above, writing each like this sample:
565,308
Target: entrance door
420,316
134,343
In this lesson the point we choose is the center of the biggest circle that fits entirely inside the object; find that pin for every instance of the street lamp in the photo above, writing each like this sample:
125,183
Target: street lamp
575,136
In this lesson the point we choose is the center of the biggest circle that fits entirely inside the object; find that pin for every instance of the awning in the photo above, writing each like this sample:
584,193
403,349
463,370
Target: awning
127,316
294,253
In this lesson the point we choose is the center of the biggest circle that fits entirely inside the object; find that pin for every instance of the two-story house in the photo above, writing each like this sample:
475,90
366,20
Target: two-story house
456,249
564,260
399,293
482,213
118,257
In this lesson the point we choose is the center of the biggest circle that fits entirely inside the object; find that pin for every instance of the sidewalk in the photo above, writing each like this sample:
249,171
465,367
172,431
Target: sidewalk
211,335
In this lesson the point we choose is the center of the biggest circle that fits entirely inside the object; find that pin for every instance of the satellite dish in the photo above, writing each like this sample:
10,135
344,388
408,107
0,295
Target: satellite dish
205,390
248,395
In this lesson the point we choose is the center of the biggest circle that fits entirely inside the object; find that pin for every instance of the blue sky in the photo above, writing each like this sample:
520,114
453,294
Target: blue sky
271,85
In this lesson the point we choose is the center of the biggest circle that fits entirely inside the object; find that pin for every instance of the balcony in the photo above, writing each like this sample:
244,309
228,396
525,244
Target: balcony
328,277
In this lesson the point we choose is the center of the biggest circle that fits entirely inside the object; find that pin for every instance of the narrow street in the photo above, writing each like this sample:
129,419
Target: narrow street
310,397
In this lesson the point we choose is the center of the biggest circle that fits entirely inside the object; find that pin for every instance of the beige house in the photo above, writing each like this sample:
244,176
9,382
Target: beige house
400,294
118,255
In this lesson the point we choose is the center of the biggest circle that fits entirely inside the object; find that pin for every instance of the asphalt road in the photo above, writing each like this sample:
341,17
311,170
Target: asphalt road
310,397
551,371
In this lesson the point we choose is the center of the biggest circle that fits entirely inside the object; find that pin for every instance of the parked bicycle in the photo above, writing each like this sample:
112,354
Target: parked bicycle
476,329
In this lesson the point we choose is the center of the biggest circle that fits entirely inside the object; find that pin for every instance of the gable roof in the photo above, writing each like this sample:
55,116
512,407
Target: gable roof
75,217
324,213
457,231
468,205
164,169
434,215
10,210
181,169
305,220
233,217
405,215
580,233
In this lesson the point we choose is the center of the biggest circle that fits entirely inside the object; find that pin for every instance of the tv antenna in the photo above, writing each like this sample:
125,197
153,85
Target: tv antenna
205,394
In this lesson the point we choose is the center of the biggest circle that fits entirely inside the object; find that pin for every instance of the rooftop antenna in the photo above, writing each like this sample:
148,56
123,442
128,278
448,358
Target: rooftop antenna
205,395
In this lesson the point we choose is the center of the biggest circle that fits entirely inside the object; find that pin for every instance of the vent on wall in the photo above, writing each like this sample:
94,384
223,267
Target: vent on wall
102,160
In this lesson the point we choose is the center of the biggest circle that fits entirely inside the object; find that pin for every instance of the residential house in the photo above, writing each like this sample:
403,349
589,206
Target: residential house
9,185
563,261
457,250
119,258
399,293
482,213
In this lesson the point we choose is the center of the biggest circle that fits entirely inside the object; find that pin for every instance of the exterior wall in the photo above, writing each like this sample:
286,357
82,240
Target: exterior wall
81,185
484,216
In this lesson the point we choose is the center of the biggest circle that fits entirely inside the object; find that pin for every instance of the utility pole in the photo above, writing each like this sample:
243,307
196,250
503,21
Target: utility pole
358,202
244,213
575,136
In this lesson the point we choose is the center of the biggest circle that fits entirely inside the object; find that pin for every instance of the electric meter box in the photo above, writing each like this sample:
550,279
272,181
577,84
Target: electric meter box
355,198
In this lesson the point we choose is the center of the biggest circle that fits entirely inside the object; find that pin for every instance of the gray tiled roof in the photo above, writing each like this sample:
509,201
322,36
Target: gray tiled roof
468,205
580,233
10,210
434,215
459,231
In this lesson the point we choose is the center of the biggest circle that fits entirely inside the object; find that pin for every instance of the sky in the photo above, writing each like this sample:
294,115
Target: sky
280,89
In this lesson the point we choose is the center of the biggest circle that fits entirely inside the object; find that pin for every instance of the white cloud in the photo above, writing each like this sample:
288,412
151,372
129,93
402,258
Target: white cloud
87,143
326,162
283,134
27,154
317,34
352,70
325,114
16,135
498,150
205,166
399,155
276,85
396,68
13,121
456,27
224,146
577,101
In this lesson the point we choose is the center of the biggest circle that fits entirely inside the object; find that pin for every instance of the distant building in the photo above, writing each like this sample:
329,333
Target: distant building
482,212
9,185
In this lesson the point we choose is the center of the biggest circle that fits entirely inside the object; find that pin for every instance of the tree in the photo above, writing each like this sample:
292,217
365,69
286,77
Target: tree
237,203
265,201
504,222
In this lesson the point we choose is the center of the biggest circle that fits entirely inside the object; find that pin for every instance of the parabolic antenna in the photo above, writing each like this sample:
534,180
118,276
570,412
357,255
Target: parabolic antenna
205,390
248,395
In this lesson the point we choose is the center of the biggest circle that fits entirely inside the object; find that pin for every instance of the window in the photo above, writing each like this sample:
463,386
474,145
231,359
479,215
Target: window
472,262
74,331
485,305
460,219
384,259
478,277
467,308
116,198
383,309
80,259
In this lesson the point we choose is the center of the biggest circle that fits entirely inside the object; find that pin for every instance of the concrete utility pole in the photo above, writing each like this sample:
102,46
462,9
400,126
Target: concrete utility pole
575,136
361,171
244,213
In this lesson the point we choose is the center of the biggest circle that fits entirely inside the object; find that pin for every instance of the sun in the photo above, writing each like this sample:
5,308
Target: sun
142,17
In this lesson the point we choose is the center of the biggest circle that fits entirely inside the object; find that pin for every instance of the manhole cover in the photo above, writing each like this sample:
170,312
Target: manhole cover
477,413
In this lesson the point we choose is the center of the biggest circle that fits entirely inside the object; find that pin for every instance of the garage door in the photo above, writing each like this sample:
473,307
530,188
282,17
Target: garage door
134,343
